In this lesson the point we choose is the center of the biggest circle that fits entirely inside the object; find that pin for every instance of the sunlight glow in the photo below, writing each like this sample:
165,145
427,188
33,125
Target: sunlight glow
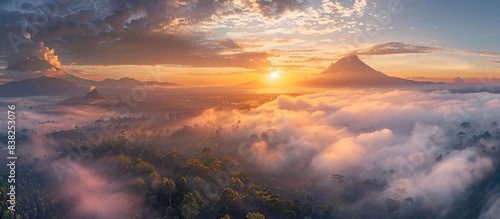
274,74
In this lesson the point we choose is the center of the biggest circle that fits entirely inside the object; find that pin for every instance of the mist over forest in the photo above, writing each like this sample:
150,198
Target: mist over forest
314,155
249,109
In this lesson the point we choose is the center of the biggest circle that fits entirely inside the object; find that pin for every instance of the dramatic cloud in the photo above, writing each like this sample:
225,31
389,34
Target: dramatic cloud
164,32
34,60
37,50
275,8
189,33
114,32
335,6
408,146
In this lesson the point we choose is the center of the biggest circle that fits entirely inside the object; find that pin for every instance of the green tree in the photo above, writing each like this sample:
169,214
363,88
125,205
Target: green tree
197,166
207,157
169,187
236,183
229,199
138,186
255,215
191,204
207,154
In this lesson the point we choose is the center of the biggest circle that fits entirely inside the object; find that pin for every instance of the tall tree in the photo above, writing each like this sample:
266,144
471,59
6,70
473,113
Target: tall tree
169,187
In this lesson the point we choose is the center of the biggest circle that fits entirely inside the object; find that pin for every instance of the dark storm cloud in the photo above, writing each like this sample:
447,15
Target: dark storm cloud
396,48
115,32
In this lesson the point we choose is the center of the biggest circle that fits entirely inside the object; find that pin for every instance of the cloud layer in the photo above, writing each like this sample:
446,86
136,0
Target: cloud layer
96,196
422,150
394,48
407,141
169,31
182,32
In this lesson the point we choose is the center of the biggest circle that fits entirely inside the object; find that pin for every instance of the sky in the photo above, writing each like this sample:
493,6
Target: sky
229,42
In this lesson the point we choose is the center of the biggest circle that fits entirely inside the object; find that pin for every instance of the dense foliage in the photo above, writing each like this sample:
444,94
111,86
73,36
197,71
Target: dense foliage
172,186
207,185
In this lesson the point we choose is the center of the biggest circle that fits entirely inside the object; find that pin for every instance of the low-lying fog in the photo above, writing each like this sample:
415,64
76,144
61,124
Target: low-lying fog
423,148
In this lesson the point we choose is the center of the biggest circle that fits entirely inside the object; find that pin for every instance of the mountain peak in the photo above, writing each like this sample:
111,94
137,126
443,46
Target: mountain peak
350,57
31,64
351,71
93,94
350,63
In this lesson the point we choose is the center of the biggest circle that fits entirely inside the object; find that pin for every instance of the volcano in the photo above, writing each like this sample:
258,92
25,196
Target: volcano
93,94
351,71
34,64
32,67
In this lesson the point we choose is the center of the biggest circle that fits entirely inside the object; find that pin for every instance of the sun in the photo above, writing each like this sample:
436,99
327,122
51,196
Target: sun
274,74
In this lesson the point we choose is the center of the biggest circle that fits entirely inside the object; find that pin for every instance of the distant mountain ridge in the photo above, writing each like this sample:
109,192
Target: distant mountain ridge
34,64
253,84
38,87
131,82
351,71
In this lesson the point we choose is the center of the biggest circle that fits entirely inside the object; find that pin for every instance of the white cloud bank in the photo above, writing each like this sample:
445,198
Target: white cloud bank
408,141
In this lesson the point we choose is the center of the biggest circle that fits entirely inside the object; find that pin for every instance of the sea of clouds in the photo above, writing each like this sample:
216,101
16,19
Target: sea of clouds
405,144
414,144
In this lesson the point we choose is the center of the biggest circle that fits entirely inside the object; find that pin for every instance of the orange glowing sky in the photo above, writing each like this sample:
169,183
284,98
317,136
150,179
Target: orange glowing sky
230,42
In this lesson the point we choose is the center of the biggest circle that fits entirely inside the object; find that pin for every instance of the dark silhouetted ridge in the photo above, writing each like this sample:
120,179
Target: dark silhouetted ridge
38,86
